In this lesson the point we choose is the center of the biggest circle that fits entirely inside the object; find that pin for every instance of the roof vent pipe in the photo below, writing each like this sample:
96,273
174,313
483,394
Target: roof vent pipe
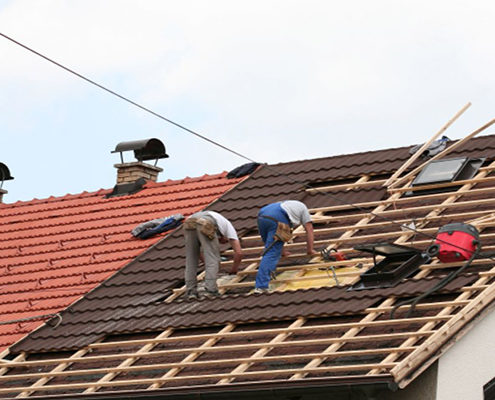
4,176
146,149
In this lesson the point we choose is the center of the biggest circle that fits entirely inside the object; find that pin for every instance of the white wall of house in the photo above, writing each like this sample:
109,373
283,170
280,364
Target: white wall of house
469,364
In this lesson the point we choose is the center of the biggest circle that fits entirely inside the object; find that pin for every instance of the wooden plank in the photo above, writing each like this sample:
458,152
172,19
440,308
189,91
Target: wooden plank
129,361
208,363
396,201
362,182
426,232
438,266
442,154
324,230
365,323
447,184
430,325
334,347
422,306
134,382
19,358
191,357
425,146
227,348
60,367
310,266
242,367
432,344
473,288
341,219
358,184
411,210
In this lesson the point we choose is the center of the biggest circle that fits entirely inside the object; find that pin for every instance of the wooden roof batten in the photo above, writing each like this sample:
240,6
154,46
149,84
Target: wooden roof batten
448,316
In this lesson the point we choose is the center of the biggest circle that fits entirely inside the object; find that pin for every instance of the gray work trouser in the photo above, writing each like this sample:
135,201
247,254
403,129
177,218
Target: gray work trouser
211,253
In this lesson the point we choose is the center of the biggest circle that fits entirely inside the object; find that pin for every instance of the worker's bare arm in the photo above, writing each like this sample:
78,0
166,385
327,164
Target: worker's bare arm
310,238
236,246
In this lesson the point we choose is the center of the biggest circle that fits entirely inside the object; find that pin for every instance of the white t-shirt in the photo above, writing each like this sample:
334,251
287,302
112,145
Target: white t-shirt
298,213
224,226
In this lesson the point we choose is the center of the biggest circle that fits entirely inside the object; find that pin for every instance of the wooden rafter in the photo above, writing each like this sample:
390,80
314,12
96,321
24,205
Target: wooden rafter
442,154
425,146
262,362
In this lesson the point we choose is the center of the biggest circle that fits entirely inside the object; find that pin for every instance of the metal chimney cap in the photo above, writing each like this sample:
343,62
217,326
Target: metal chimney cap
5,173
146,149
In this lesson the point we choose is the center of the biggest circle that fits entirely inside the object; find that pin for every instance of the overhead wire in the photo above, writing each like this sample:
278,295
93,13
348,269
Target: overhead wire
125,98
216,143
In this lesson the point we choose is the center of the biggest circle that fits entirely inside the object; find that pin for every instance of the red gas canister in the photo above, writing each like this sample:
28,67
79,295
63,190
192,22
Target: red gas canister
455,242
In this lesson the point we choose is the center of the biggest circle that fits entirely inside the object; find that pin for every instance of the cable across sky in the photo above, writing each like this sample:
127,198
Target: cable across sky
211,141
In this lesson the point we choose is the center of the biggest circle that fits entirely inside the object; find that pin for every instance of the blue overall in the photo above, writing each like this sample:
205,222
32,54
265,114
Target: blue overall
267,228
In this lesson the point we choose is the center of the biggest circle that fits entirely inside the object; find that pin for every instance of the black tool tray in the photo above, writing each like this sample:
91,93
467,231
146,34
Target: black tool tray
399,262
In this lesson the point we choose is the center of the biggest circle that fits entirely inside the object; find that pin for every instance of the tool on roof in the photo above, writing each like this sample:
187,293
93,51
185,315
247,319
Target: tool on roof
454,242
327,255
398,263
332,255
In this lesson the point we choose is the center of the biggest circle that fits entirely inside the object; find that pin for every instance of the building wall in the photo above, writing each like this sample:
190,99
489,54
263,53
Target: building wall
469,364
422,388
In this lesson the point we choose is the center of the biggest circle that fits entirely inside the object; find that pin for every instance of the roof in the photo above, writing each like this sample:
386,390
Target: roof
137,332
53,251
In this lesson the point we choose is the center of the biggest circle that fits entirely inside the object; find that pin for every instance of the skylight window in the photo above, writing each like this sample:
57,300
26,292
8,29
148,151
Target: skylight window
448,171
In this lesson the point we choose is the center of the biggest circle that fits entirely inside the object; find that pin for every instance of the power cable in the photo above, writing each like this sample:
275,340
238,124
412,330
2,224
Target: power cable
447,279
126,99
203,137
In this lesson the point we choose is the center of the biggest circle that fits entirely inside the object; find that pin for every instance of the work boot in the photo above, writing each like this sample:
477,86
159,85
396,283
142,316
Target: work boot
192,294
211,294
260,290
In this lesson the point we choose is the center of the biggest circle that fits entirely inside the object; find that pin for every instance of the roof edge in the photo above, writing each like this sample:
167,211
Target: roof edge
447,345
271,388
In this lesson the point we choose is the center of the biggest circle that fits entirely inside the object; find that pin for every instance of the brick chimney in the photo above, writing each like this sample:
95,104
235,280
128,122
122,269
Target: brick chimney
147,149
130,172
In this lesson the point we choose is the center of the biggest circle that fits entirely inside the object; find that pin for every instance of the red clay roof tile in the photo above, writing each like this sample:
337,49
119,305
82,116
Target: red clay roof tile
54,250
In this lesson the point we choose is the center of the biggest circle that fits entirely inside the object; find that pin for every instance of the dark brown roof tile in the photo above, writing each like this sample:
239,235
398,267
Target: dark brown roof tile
127,301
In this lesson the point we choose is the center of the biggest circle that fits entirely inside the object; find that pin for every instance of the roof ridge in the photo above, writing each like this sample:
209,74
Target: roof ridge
347,155
110,206
101,191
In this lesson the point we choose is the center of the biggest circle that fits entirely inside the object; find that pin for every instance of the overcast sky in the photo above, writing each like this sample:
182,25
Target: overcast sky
274,80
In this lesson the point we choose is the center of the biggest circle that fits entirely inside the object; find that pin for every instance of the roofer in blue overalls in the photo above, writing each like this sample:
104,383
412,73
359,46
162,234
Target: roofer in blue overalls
274,224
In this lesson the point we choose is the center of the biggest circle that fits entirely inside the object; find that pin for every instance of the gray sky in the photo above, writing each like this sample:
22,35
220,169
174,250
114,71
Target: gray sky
274,80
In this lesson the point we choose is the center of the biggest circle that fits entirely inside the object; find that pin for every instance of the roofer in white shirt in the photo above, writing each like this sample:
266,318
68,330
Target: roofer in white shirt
203,232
